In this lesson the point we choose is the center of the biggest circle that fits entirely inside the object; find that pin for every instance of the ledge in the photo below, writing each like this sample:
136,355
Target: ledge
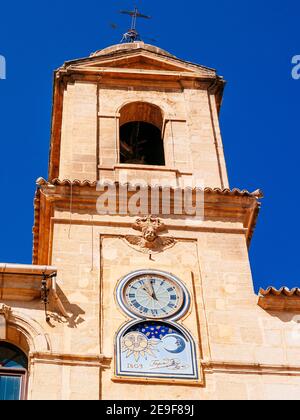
41,182
71,359
236,367
143,168
38,270
22,282
283,299
226,205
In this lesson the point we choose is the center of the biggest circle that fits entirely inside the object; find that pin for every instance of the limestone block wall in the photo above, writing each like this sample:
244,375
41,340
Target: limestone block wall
64,382
90,130
239,329
54,372
232,334
79,283
205,140
78,155
243,351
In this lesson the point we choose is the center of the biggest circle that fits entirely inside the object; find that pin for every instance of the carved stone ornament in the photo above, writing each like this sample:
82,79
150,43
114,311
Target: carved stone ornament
5,310
150,242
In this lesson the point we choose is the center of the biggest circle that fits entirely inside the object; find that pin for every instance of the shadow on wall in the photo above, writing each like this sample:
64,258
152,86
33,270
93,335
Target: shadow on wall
76,312
286,317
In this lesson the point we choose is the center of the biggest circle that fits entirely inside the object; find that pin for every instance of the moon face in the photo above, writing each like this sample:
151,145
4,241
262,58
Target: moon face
173,343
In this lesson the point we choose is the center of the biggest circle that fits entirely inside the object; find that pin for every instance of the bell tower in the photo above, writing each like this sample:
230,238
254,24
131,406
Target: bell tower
136,108
133,293
145,292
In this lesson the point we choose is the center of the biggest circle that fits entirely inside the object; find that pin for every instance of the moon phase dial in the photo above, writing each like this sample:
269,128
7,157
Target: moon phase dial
152,344
153,296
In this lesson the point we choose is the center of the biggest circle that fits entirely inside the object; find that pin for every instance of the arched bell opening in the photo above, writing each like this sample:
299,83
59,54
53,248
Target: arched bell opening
141,140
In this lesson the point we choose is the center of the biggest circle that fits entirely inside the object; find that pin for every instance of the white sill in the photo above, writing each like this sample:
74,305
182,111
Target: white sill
142,168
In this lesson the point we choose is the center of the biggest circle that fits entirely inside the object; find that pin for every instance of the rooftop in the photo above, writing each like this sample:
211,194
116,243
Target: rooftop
131,47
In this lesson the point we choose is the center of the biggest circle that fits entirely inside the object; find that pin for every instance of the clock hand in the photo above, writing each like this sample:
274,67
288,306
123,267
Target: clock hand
153,291
147,291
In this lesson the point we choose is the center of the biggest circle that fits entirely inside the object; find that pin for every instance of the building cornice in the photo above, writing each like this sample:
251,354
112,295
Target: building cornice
41,182
71,359
240,206
284,299
250,368
23,282
113,54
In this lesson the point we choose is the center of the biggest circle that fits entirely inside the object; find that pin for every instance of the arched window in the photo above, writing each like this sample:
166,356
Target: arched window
141,134
13,371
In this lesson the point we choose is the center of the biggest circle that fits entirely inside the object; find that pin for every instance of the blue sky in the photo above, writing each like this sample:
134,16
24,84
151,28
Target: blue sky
250,43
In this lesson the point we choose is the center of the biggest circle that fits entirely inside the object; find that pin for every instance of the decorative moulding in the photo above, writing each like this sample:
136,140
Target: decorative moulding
5,311
149,242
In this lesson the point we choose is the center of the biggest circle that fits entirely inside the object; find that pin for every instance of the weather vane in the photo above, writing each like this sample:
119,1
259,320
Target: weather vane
132,35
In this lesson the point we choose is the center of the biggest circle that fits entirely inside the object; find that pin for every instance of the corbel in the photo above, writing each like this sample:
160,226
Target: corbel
5,313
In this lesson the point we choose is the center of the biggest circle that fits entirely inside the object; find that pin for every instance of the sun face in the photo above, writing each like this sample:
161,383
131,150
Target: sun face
138,345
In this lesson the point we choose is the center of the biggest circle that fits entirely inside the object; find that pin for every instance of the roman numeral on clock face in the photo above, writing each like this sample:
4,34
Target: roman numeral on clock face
153,297
136,304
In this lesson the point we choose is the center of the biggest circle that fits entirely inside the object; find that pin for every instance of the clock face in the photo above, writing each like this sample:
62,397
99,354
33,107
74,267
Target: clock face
153,296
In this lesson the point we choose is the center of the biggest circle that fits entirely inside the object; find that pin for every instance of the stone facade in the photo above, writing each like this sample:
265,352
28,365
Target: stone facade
247,348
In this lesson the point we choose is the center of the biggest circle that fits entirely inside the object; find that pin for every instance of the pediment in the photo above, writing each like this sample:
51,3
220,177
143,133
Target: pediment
143,60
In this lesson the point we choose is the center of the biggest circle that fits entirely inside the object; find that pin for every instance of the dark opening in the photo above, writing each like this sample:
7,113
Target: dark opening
141,143
13,366
12,357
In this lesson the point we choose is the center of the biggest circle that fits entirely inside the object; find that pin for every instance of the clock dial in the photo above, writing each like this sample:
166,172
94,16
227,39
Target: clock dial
153,296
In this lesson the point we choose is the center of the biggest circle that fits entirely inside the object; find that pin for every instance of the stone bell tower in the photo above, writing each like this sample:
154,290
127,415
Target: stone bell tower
143,293
147,300
99,99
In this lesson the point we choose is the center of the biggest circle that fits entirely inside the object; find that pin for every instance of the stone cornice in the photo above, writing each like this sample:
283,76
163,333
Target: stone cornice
283,299
250,368
41,182
107,56
71,359
72,74
23,282
227,206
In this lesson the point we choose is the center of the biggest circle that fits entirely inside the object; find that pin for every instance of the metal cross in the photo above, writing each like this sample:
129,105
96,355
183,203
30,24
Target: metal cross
132,35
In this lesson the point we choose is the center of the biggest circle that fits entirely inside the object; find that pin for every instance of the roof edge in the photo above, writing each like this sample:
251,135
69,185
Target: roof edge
41,182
